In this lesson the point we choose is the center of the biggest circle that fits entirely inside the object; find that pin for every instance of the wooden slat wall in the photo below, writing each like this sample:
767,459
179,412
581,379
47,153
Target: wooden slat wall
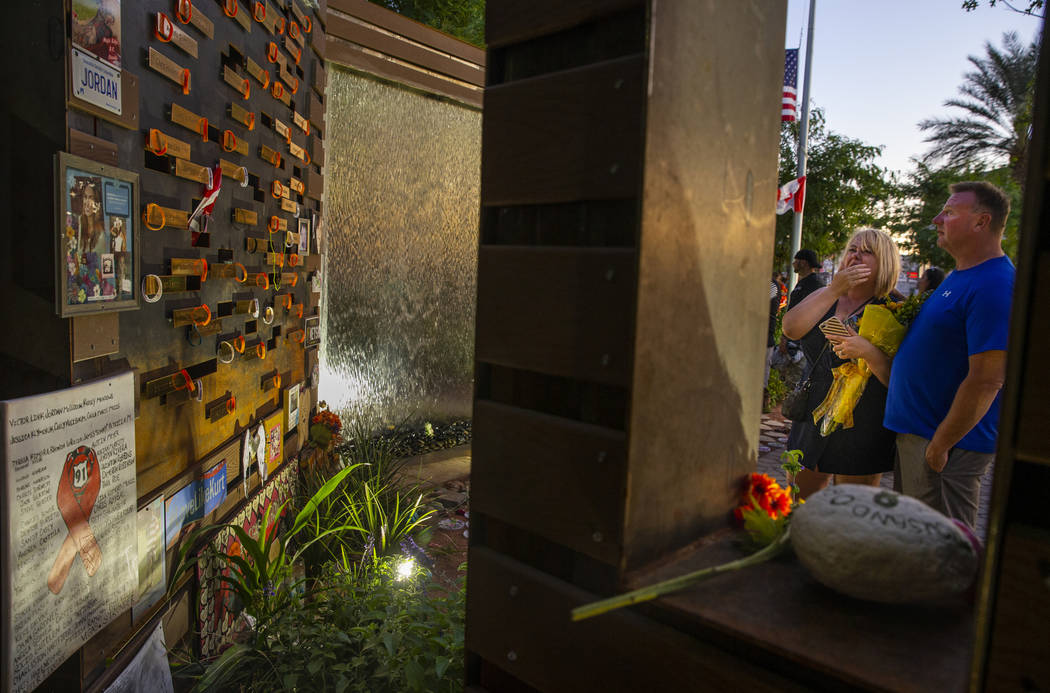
372,39
620,283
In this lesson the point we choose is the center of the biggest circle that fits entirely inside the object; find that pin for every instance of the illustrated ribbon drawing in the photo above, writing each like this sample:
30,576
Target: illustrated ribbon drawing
78,489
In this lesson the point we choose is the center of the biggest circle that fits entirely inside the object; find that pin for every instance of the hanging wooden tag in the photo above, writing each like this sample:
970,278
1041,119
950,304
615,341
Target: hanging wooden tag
189,120
197,315
167,31
277,224
189,266
278,190
296,185
233,171
256,245
241,84
242,116
161,143
289,206
281,129
293,49
228,270
169,68
256,71
296,33
233,10
278,91
244,216
232,143
290,80
275,56
188,13
298,12
267,15
289,278
270,156
174,284
300,121
275,259
298,152
156,218
191,171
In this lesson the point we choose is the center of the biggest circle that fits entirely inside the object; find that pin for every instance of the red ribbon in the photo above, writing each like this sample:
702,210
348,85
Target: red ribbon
78,489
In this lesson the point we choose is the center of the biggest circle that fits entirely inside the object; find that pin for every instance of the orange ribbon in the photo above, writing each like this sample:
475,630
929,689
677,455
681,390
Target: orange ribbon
297,336
239,273
271,52
202,125
185,384
146,216
277,90
229,140
78,489
238,344
308,25
293,260
262,281
255,12
260,350
227,5
161,148
277,190
186,85
202,323
164,29
184,16
293,29
298,311
274,225
286,301
251,117
231,404
204,273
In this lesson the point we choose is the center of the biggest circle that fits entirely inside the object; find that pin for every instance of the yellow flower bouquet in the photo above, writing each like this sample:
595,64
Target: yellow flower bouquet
880,327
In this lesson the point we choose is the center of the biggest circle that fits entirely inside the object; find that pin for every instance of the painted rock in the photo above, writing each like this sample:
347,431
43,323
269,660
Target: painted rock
875,544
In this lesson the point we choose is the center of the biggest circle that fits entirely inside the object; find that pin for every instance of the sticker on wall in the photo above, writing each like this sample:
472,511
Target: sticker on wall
96,29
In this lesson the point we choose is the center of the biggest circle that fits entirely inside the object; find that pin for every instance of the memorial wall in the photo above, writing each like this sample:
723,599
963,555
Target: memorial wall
169,159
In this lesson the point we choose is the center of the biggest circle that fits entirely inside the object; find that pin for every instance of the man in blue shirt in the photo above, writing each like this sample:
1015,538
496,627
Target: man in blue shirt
944,386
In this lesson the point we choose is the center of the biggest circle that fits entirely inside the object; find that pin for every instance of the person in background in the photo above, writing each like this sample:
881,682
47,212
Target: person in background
930,280
862,453
805,265
774,311
944,389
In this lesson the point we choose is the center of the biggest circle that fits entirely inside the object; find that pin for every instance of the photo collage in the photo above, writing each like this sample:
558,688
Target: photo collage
98,237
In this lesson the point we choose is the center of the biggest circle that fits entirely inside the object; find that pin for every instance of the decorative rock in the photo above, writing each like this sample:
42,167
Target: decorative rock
875,544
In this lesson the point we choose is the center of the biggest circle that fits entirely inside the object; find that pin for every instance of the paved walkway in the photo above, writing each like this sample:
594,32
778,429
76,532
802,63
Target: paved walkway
772,437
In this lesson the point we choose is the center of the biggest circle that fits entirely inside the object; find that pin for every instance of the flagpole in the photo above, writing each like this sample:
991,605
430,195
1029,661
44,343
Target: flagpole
803,128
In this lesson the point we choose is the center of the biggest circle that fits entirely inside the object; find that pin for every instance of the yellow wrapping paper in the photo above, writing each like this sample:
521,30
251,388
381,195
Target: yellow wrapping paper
878,326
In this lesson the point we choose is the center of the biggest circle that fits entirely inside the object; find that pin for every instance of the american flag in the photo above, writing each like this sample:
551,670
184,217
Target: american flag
788,107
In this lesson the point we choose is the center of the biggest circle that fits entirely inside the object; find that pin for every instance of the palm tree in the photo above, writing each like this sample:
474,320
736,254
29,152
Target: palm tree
996,126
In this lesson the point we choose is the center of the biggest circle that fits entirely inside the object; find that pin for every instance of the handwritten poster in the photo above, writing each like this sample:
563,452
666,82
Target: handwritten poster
69,531
150,527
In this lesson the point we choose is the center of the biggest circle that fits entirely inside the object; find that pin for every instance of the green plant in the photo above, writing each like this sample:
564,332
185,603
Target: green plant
261,578
375,628
776,388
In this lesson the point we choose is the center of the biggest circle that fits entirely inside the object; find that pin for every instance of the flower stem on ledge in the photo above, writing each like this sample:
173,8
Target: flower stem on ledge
644,594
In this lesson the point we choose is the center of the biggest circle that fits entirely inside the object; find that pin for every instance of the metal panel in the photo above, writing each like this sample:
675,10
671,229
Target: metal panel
561,311
511,22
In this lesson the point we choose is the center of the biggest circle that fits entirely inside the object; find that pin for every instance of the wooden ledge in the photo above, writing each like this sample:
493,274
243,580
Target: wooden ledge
812,633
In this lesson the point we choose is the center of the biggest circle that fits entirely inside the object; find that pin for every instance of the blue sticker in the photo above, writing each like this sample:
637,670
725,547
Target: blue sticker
117,198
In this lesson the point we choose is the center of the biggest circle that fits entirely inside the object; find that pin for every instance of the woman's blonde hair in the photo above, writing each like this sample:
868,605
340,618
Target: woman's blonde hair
881,245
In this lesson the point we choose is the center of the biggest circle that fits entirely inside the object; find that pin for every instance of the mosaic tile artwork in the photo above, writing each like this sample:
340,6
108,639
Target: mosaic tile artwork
216,620
402,186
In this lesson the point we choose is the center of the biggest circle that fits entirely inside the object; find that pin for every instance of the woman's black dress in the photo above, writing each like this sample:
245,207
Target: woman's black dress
866,448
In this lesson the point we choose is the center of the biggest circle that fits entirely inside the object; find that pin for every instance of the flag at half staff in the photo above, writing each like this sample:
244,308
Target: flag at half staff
789,103
791,195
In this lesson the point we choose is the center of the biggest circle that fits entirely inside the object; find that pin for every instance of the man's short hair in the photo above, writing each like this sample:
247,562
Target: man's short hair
809,256
990,198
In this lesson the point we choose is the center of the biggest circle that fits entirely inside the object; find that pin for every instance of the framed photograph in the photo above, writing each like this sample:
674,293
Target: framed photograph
312,325
291,408
304,236
97,237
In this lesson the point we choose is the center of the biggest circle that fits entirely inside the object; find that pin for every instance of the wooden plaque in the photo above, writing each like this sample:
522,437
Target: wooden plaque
188,119
197,18
296,185
232,143
191,171
289,206
241,84
256,71
232,170
301,122
279,92
242,116
167,27
281,129
298,152
234,10
269,155
171,146
293,49
244,216
166,217
169,68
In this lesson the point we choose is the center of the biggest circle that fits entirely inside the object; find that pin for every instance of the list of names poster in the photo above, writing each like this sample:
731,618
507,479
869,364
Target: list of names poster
69,522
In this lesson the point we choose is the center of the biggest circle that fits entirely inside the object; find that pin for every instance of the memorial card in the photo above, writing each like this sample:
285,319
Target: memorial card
69,538
150,540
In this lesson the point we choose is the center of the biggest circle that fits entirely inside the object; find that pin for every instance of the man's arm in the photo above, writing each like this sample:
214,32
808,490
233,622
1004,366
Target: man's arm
972,400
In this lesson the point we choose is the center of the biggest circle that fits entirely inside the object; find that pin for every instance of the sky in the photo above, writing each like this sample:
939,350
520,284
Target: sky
879,67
